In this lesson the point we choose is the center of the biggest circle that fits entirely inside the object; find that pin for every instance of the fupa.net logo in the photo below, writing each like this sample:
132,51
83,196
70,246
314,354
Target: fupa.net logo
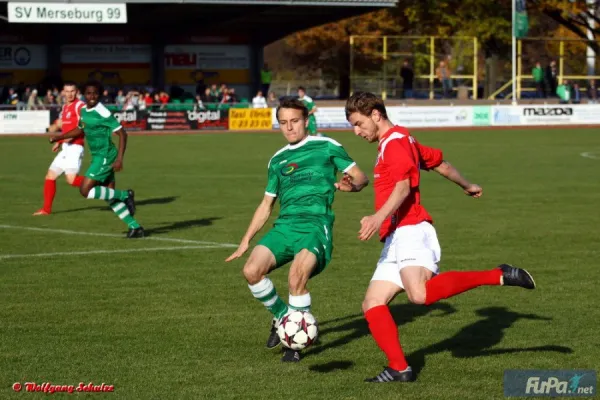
555,386
550,383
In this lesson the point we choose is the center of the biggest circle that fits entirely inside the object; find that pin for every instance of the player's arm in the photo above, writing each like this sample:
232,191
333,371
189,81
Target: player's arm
371,224
354,180
449,172
69,135
401,166
260,218
118,164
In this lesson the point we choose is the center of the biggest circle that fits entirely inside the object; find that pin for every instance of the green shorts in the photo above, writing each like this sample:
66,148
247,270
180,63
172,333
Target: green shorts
286,239
312,125
101,169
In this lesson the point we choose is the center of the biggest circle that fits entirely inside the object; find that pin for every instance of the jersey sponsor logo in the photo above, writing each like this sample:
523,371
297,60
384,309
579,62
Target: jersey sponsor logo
289,169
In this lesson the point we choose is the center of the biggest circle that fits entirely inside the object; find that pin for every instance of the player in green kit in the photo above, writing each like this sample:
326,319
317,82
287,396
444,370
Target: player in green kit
303,176
98,125
312,109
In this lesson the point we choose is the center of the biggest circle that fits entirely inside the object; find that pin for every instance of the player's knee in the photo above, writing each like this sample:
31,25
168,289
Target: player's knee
84,191
372,302
51,175
70,179
416,296
252,273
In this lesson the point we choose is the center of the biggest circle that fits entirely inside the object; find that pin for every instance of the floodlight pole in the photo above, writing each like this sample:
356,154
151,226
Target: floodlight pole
514,54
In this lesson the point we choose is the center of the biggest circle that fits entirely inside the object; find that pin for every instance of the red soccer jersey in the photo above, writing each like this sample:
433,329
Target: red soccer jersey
70,119
401,157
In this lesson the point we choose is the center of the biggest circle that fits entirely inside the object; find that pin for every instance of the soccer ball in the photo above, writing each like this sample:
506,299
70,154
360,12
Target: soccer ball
298,330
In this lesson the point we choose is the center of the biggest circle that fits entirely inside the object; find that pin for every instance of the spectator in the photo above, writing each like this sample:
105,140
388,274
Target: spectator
199,102
266,76
576,94
105,98
232,96
592,92
164,97
272,100
148,100
259,100
214,92
538,80
563,91
120,99
208,97
408,76
552,78
34,102
13,97
444,74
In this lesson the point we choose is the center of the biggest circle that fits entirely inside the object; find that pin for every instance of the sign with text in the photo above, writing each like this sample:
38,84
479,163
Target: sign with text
248,119
67,13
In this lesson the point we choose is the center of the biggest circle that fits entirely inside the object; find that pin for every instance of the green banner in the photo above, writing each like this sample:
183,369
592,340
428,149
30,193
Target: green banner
521,22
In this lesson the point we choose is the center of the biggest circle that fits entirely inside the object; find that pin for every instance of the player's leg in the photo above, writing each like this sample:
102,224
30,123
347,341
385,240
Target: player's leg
99,187
73,160
49,191
270,253
421,246
385,285
56,169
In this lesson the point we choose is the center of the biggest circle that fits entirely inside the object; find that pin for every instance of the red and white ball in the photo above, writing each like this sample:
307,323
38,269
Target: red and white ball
298,330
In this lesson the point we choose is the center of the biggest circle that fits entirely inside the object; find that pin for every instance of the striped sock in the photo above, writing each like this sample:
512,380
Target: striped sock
265,292
105,193
300,303
122,212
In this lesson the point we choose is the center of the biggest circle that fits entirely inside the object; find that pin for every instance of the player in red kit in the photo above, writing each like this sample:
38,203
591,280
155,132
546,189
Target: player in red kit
411,253
68,159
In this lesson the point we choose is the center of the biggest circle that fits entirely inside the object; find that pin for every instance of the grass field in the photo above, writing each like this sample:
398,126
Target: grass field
160,318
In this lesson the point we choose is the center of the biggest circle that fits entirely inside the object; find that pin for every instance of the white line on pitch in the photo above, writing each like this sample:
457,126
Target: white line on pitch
159,239
590,154
84,253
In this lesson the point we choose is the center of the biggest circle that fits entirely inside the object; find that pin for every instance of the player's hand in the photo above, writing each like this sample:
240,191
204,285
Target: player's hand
369,226
54,138
345,184
243,247
474,190
117,165
55,147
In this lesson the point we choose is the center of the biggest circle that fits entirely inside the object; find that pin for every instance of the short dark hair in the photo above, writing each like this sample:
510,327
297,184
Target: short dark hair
69,83
302,88
292,103
96,84
364,103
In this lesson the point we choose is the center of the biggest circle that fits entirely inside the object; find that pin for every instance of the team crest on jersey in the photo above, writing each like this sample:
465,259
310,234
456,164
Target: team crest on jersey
289,169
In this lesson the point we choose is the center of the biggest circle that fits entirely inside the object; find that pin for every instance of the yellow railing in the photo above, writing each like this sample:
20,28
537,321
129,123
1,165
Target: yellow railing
379,80
565,55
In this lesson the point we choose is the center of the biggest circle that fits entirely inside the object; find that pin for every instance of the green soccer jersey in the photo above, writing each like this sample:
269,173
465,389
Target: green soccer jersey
98,124
302,176
309,104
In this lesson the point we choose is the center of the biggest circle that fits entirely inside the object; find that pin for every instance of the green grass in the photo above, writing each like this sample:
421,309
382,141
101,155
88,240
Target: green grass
183,324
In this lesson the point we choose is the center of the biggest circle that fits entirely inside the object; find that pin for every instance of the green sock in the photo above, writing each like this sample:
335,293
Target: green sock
265,292
106,193
122,212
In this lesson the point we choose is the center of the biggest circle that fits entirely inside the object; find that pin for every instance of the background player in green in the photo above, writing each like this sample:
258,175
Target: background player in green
98,125
312,109
303,176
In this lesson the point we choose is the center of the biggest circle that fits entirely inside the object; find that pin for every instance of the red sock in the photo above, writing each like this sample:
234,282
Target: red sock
385,332
451,283
77,181
49,192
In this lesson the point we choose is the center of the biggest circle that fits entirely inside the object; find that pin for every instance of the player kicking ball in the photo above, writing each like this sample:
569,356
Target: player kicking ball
68,159
98,125
303,176
411,253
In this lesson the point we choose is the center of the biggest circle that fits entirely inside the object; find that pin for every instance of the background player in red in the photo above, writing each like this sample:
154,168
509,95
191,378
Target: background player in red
409,259
68,159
